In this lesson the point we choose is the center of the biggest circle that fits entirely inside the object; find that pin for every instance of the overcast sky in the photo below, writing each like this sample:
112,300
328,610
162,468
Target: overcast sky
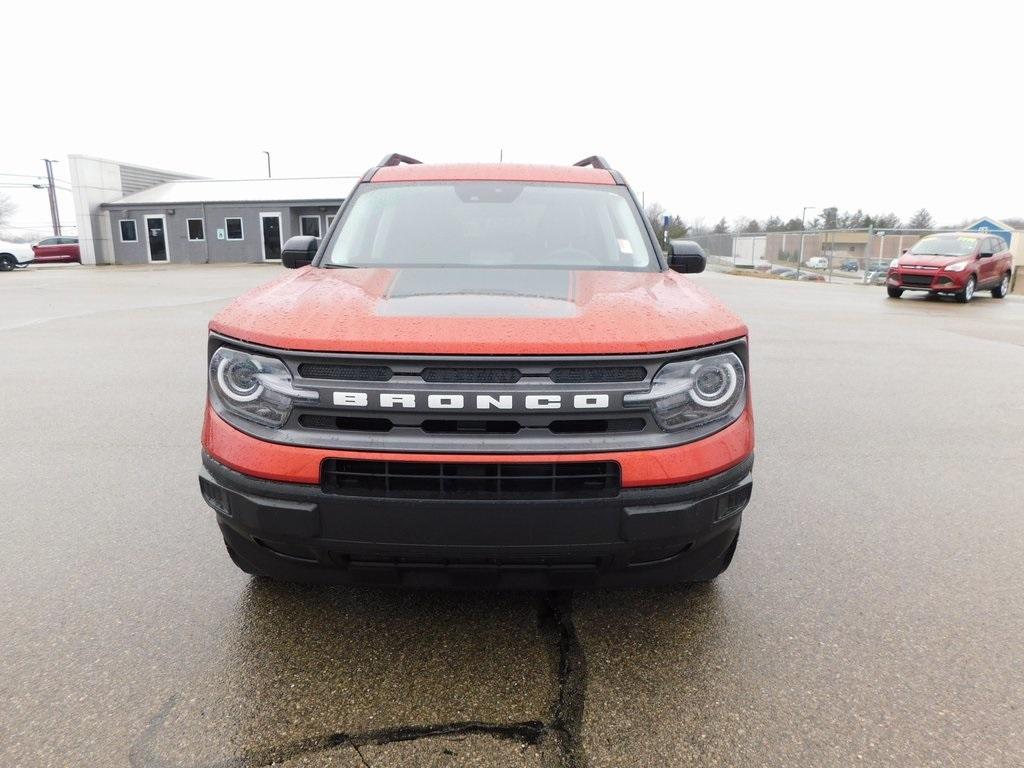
722,109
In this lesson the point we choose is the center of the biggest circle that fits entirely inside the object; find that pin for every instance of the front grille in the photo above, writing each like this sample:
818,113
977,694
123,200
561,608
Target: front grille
471,426
466,480
345,423
598,375
916,279
472,375
345,372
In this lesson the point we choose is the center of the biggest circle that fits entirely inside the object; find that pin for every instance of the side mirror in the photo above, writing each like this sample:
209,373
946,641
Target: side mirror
984,255
299,251
686,256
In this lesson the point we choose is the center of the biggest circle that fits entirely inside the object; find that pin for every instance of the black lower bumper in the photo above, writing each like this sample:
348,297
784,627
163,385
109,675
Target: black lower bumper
641,536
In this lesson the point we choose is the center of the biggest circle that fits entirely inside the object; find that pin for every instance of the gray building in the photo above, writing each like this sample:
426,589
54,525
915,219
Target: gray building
134,215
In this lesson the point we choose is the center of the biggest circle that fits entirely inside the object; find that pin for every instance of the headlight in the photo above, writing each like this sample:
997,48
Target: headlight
693,393
894,263
959,266
254,387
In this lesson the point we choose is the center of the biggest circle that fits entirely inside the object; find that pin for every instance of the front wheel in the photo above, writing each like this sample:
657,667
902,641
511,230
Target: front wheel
1000,291
7,263
968,292
894,293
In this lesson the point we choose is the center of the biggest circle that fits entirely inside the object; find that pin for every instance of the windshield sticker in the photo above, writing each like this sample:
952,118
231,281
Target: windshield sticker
625,246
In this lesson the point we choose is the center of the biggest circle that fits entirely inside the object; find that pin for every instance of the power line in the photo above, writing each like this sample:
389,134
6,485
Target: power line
27,176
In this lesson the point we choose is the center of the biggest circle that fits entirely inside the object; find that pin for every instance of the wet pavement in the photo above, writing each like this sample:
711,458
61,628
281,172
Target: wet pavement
873,614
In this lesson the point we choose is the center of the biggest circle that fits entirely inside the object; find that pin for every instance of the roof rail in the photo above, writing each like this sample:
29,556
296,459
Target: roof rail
396,159
594,161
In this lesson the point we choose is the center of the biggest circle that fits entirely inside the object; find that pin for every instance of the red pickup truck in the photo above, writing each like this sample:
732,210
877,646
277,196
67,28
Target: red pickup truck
484,376
57,249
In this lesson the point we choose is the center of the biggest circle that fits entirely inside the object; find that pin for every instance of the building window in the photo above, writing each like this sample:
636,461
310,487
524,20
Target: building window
309,225
234,228
330,220
196,231
128,232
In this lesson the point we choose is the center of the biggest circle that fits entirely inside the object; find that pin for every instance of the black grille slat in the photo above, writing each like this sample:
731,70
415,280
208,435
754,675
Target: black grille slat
597,375
345,423
471,375
595,426
564,426
470,480
345,372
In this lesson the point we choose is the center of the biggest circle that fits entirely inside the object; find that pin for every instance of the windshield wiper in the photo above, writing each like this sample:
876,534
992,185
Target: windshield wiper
340,266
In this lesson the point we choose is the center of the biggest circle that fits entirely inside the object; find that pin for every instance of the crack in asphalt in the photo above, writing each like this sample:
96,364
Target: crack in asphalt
567,716
563,733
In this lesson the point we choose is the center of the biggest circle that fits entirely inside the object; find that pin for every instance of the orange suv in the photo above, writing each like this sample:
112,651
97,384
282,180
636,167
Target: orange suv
483,375
957,263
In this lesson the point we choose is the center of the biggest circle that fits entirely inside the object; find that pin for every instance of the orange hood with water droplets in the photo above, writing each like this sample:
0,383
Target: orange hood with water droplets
479,312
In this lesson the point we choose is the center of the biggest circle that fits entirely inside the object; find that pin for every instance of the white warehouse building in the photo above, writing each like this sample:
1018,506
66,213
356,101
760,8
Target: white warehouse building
131,214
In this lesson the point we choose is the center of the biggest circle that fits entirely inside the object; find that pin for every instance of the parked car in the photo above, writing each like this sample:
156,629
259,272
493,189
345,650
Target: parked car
817,262
850,265
813,277
957,263
411,407
876,276
14,255
57,249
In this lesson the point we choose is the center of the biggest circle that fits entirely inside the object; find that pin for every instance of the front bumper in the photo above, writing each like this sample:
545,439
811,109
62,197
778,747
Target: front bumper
939,282
641,536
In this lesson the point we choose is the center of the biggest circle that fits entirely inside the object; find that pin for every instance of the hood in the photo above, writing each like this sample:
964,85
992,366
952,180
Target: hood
479,311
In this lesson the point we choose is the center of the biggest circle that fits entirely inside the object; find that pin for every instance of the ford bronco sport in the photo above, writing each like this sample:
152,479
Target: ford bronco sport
482,375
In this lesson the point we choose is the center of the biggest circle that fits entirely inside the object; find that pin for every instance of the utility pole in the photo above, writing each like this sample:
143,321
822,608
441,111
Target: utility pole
268,163
52,192
803,229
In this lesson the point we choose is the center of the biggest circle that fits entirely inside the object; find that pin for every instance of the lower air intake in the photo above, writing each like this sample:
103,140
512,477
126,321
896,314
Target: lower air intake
465,480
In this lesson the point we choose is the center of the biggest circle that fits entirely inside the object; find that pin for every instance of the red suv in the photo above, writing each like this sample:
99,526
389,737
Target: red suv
57,249
957,263
483,375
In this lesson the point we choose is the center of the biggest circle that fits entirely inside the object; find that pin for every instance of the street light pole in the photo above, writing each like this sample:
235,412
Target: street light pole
268,163
52,192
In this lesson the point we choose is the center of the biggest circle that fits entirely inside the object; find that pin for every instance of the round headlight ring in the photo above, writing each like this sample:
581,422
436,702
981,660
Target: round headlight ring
236,382
713,384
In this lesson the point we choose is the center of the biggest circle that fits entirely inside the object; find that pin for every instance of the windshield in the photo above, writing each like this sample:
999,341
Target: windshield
492,224
945,245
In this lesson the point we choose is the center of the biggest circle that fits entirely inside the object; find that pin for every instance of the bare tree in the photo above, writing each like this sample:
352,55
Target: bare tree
655,213
7,208
921,220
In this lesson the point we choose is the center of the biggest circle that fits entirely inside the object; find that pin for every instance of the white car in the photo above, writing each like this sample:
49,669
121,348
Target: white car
817,262
14,255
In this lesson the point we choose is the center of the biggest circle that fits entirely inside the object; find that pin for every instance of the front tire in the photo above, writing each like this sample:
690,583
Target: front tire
894,293
7,263
968,292
1000,291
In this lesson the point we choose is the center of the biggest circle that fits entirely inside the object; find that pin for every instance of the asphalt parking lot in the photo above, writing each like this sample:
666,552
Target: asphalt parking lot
873,615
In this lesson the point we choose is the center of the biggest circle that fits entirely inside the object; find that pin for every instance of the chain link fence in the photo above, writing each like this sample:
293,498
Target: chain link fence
831,255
